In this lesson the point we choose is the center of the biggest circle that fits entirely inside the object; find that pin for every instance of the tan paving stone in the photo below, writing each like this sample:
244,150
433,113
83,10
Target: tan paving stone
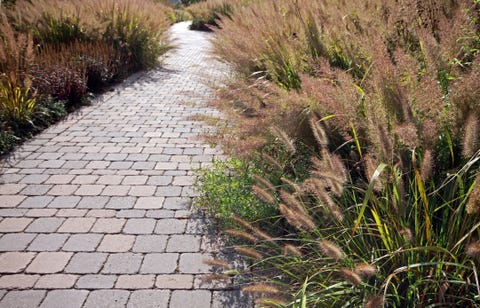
135,281
116,243
15,262
56,281
18,281
77,225
49,262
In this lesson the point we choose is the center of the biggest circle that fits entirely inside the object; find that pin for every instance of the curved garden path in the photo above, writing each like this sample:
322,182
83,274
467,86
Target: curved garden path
95,211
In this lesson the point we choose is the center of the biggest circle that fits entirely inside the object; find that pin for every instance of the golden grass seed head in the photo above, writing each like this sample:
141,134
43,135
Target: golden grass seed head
216,263
407,234
375,301
473,203
365,269
242,234
470,140
249,252
213,277
473,250
261,181
241,221
263,194
261,288
351,276
290,250
331,250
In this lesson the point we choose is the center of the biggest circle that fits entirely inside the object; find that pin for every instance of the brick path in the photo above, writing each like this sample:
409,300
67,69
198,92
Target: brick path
95,211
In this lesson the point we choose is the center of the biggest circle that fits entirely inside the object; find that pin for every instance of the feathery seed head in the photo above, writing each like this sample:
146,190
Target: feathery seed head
290,250
241,234
216,263
473,203
473,250
365,269
263,194
249,252
351,276
331,250
261,288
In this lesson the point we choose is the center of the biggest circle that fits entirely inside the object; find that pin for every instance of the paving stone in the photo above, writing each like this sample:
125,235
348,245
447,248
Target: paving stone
193,263
101,213
64,298
35,190
49,262
107,299
205,282
177,203
135,180
190,298
60,179
139,226
12,212
108,225
7,201
116,243
149,203
149,299
116,190
11,189
183,180
90,202
82,242
142,191
131,213
150,243
35,178
110,179
15,241
96,282
85,179
184,243
23,299
135,282
18,281
89,190
174,281
45,225
168,191
14,224
159,263
121,203
36,202
56,281
160,214
170,226
15,262
77,225
71,213
86,263
40,212
62,190
159,180
48,242
64,202
123,263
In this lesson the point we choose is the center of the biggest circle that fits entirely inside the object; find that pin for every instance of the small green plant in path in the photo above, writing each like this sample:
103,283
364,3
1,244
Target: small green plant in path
226,190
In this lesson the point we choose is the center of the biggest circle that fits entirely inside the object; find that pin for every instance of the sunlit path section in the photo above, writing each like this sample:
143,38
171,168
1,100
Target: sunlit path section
96,211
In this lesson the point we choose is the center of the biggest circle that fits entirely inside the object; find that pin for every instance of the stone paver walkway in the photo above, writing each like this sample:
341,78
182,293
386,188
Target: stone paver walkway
95,211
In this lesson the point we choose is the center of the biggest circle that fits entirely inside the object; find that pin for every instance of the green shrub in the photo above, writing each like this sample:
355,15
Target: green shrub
226,190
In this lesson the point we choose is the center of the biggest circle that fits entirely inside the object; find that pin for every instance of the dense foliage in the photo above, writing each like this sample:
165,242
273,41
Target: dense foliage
386,94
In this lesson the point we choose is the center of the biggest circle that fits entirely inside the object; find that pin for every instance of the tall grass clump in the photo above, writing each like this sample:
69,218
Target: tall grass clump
64,49
396,240
385,94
